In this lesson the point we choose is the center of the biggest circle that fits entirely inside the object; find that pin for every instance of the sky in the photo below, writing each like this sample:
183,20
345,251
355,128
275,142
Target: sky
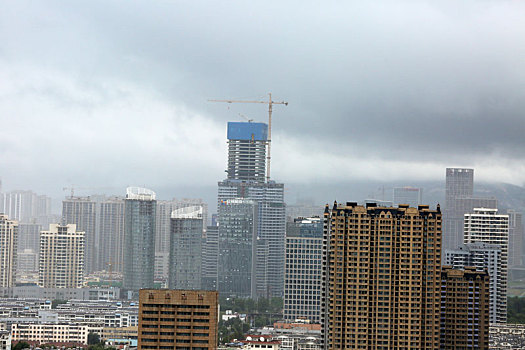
101,95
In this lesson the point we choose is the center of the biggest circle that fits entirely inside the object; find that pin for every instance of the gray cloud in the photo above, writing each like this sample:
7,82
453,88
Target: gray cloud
404,88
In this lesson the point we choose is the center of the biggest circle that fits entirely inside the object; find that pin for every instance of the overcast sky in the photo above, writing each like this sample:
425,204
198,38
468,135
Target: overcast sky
106,94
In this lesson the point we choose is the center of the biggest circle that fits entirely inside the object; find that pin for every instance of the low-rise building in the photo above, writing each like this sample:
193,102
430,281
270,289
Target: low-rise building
5,340
507,336
51,333
255,342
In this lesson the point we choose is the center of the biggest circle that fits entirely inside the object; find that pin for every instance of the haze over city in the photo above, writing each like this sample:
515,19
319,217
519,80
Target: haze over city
103,95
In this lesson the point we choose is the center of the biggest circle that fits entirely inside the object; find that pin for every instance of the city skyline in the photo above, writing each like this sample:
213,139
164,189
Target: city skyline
361,183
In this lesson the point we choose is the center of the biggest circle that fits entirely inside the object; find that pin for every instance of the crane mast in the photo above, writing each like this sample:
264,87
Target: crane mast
270,103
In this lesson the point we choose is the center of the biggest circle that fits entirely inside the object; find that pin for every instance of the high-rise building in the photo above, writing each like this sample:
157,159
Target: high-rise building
61,257
247,151
459,183
139,238
111,217
162,230
483,257
460,200
246,169
383,276
186,243
27,266
464,309
302,279
210,258
178,319
237,248
29,236
81,211
486,225
515,238
271,227
25,206
8,251
408,195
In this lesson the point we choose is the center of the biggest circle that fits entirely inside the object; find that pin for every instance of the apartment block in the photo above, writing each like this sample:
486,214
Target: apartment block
487,226
110,224
61,260
483,257
381,288
178,319
464,309
50,333
82,211
8,251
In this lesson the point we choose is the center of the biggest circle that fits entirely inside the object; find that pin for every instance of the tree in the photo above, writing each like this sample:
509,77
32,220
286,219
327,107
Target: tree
21,345
93,338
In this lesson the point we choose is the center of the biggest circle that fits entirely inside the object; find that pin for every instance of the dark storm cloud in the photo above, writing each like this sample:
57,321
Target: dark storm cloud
406,84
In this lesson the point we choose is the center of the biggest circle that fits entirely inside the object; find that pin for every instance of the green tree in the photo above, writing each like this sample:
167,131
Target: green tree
516,310
98,346
263,305
93,338
21,345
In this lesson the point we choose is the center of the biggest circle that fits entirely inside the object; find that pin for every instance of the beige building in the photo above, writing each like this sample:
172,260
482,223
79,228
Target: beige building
120,332
51,333
61,257
8,251
382,277
178,319
464,308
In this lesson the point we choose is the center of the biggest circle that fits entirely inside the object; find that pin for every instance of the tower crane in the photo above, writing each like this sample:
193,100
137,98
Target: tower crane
270,103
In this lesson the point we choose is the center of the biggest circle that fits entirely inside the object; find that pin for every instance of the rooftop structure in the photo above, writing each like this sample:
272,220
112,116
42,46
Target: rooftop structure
139,193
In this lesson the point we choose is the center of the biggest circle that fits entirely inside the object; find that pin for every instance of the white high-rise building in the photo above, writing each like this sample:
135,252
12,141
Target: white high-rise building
486,225
8,251
61,257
